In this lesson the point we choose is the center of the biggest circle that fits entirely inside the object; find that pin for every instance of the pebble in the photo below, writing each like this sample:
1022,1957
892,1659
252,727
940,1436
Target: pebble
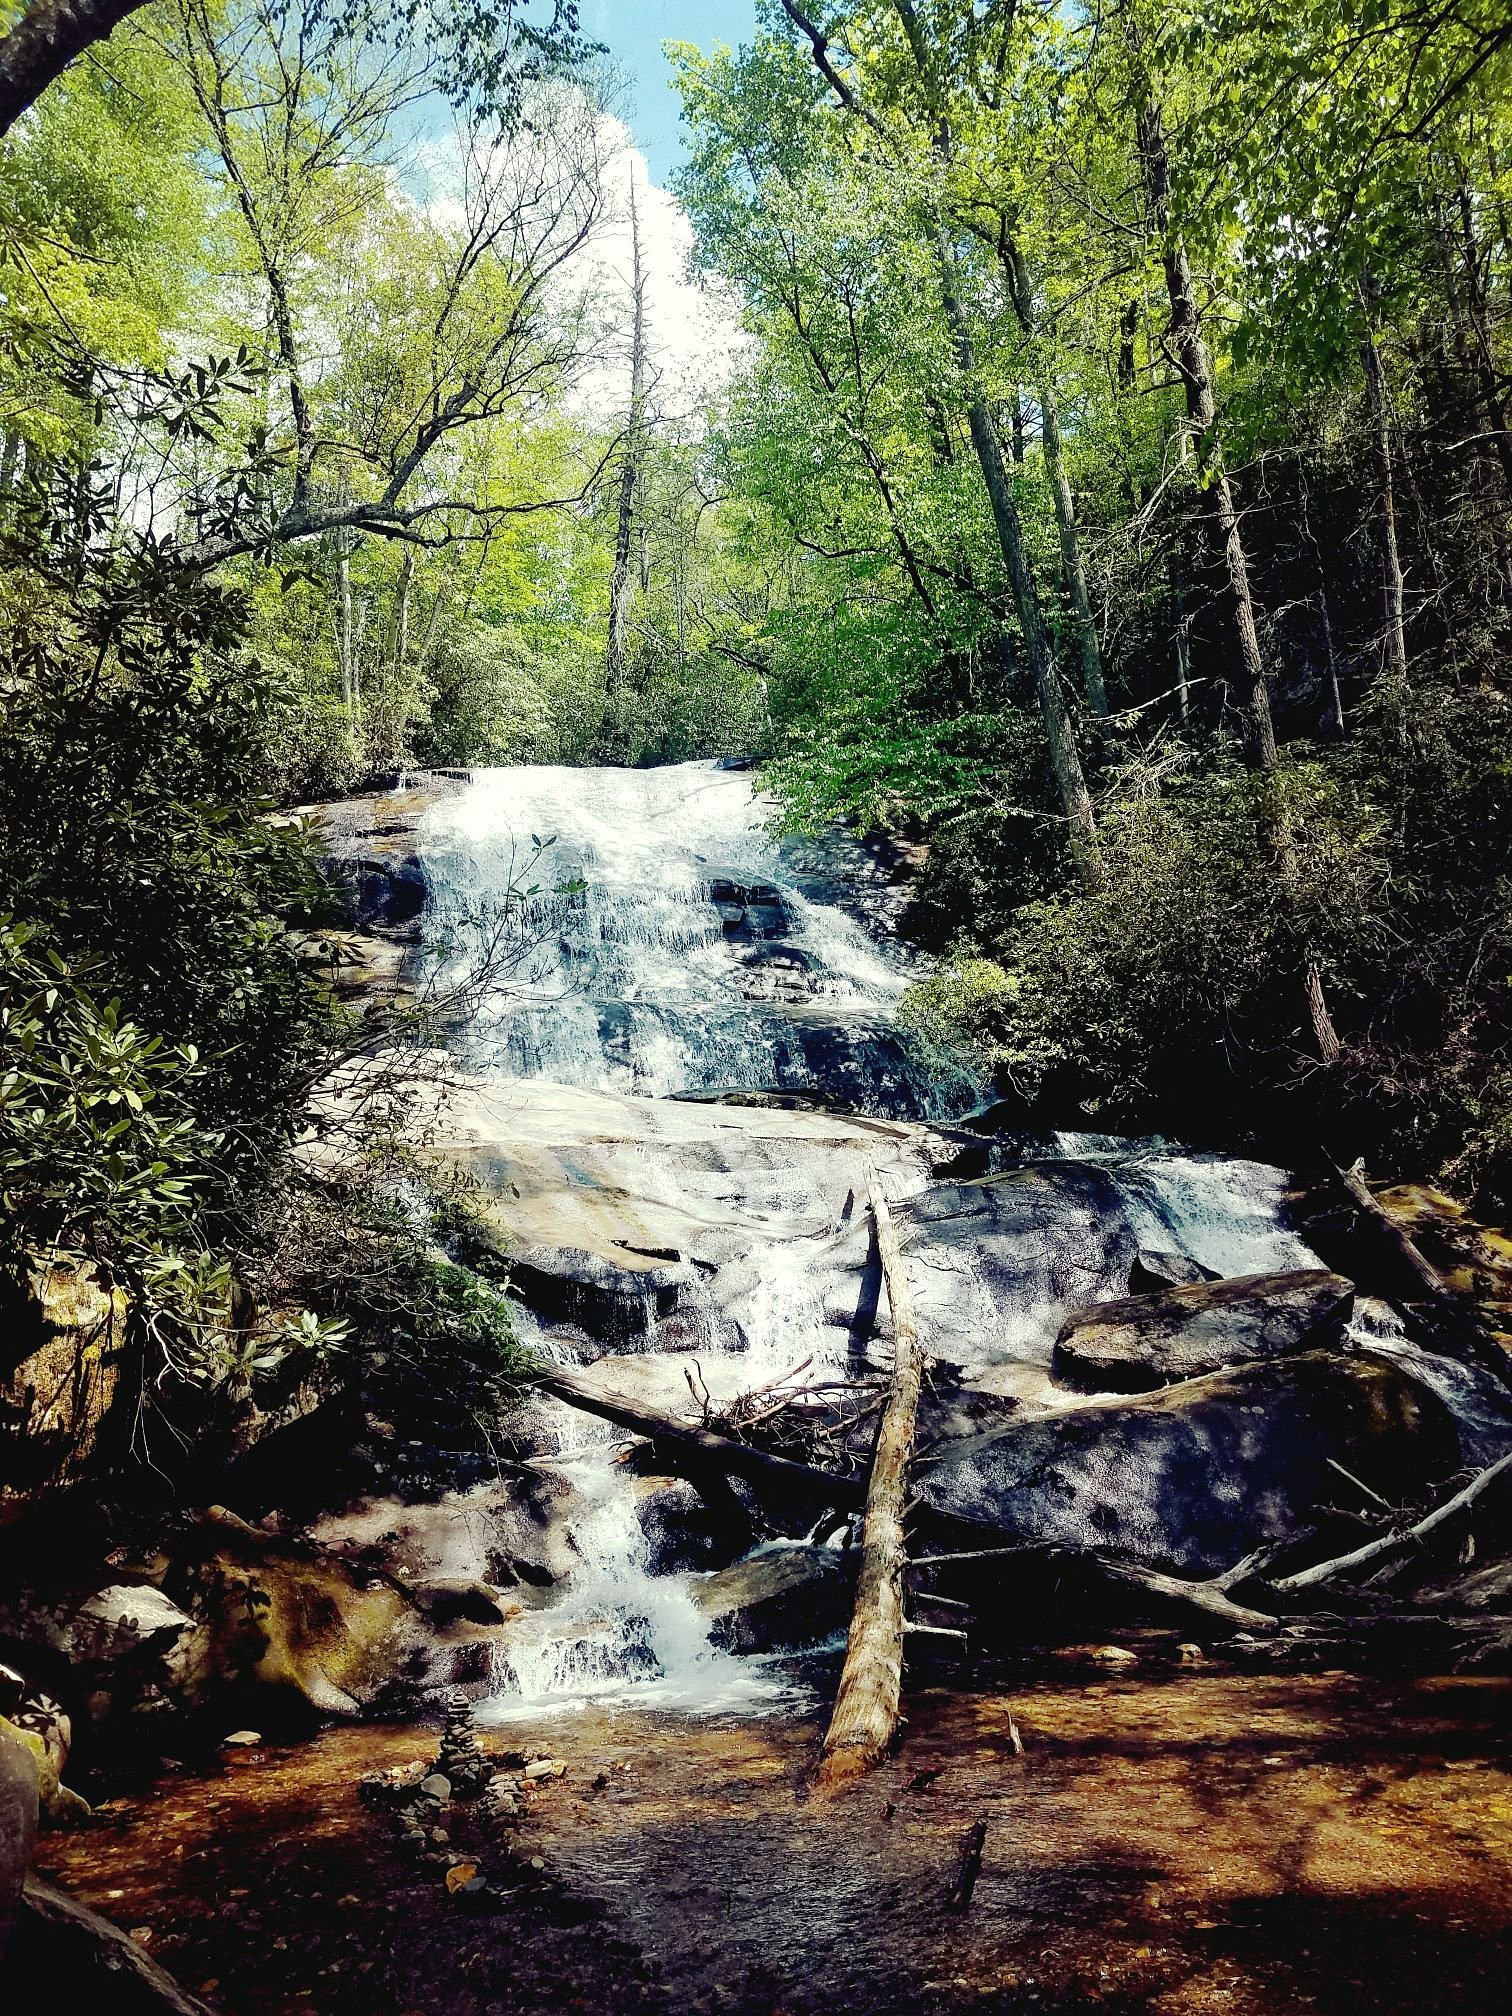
436,1786
241,1739
545,1767
1115,1655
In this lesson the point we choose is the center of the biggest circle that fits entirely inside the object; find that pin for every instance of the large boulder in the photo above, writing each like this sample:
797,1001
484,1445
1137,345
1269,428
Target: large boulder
1199,1474
18,1823
60,1333
294,1617
1139,1343
682,1531
779,1600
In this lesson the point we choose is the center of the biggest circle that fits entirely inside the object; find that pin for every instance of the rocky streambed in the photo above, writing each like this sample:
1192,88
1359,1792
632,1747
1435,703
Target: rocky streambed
669,1091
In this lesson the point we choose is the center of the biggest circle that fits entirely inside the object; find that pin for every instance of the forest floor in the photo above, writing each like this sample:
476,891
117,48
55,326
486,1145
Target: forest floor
1197,1840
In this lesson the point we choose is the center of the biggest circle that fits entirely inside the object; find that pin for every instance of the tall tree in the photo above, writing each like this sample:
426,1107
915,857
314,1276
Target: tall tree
632,461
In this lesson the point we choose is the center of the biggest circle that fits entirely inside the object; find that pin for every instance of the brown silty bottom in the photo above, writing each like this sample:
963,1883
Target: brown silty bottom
1196,1841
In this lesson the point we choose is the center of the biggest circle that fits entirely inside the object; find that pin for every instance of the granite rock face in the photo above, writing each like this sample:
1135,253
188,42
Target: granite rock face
1139,1343
1196,1476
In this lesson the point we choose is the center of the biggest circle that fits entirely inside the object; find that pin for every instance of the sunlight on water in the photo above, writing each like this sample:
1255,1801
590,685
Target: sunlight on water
692,961
660,975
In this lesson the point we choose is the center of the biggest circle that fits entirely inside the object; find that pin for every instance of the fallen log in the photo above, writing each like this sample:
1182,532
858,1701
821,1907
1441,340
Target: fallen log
699,1451
871,1681
1399,1541
62,1941
1210,1598
1440,1320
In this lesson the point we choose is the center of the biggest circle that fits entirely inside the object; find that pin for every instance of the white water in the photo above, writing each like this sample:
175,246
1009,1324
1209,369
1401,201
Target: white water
633,984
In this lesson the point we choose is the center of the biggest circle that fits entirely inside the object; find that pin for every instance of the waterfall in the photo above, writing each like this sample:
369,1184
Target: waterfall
664,947
667,945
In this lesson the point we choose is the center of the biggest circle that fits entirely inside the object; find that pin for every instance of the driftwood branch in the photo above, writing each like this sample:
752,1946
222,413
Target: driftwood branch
1442,1321
1399,1541
700,1450
871,1681
1209,1597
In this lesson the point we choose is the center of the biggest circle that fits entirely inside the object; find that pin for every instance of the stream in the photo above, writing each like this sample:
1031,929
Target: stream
677,1091
676,954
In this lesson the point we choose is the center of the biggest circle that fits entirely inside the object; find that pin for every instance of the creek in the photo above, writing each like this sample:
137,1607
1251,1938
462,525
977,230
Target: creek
671,963
688,1070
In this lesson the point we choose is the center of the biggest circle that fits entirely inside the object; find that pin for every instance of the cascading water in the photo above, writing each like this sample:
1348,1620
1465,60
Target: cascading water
671,948
667,948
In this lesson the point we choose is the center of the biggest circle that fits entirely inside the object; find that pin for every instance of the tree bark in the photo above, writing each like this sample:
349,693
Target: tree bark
1021,289
866,1706
1076,800
1393,588
630,467
45,41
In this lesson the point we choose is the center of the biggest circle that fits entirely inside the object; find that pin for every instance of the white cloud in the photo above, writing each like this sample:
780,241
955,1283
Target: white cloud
693,327
694,333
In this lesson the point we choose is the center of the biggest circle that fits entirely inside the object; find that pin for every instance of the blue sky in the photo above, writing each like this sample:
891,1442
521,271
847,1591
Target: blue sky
634,30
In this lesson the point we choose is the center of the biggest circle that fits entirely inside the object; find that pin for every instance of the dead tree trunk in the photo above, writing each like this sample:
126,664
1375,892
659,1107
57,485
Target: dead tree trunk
1196,371
866,1706
1392,586
1022,293
699,1451
630,468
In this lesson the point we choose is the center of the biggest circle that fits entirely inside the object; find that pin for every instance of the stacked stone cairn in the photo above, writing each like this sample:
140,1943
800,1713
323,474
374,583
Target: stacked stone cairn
464,1792
459,1758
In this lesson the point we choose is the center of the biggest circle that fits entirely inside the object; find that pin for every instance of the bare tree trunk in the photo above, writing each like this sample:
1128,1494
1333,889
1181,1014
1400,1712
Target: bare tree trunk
1065,760
1393,587
1337,723
1183,641
1195,368
346,641
1196,372
871,1681
1021,289
630,467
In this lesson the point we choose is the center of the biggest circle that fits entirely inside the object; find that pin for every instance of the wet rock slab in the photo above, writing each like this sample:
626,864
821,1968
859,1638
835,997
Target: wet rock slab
1138,1343
1199,1474
779,1600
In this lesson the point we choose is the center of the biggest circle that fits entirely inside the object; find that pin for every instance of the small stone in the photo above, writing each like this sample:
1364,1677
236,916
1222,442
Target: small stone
1191,1655
538,1862
440,1836
1115,1655
544,1767
241,1739
436,1787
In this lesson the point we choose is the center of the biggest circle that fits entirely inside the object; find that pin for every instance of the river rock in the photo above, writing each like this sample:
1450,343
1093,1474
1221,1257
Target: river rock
1199,1474
1142,1342
779,1600
1153,1269
294,1617
118,1619
682,1531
